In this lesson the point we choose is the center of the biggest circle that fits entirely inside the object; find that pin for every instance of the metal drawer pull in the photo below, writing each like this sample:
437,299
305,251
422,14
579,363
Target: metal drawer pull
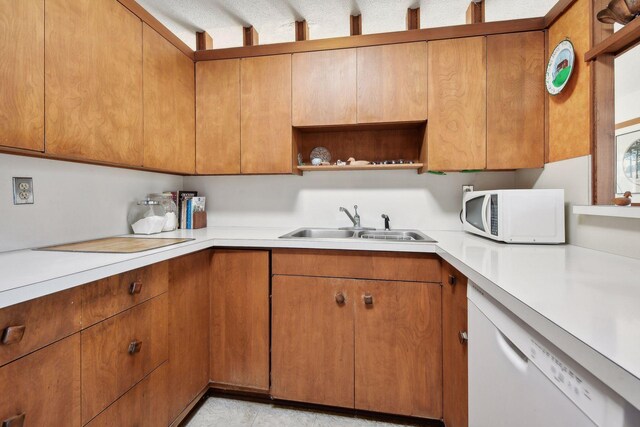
368,299
135,347
340,298
135,287
15,421
463,337
12,334
453,280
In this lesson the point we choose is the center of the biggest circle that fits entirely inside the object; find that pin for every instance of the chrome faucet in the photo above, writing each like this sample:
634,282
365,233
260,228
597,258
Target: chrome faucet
354,219
387,227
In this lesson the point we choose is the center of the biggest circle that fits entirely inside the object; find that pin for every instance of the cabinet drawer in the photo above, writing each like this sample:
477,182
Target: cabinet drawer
106,297
408,267
145,405
111,362
43,389
31,325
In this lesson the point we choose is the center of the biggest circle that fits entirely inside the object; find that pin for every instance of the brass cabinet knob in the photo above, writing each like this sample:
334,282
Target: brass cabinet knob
368,299
340,298
135,287
15,421
453,280
463,337
12,334
135,346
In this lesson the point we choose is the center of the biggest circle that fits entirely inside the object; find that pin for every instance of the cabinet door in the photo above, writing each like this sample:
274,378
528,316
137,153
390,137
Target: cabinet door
93,60
43,388
392,83
398,348
324,88
22,74
169,106
312,340
188,329
455,400
240,319
515,101
457,127
218,117
266,133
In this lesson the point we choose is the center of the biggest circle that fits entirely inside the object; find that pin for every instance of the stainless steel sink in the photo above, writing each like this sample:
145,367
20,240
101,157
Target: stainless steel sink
332,233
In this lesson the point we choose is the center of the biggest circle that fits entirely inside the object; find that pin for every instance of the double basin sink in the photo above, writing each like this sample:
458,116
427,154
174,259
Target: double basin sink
333,233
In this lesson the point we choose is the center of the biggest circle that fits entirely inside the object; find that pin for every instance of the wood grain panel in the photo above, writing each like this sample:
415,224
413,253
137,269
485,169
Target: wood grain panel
112,295
372,145
44,386
392,83
108,369
410,267
455,396
324,88
94,99
570,111
515,101
145,405
313,340
22,74
457,127
169,106
45,320
265,99
218,117
398,348
188,329
240,318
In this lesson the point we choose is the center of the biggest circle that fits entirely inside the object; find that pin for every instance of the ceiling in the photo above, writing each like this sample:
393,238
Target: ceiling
274,19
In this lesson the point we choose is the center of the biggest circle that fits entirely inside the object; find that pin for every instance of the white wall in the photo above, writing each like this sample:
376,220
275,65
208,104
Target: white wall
627,90
73,201
411,200
615,235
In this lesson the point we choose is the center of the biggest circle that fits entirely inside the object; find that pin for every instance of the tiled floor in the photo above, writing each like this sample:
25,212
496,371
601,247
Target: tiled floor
225,412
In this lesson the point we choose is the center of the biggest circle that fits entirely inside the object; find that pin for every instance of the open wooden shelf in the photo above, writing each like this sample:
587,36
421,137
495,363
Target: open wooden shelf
360,168
618,42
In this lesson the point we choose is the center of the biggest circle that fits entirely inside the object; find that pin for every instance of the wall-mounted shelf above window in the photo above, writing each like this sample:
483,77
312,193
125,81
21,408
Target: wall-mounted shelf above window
617,43
360,168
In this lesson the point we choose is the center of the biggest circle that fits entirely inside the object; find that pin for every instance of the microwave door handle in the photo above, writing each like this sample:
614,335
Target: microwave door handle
486,212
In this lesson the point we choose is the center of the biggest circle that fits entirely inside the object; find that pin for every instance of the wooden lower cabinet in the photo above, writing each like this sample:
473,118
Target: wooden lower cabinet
372,345
313,340
240,319
188,329
43,388
454,347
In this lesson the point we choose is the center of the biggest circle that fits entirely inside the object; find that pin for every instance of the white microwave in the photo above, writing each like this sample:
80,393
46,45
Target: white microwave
515,216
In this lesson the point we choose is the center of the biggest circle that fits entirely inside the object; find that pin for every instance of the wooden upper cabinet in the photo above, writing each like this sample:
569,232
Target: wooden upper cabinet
515,100
218,117
457,127
22,74
324,88
392,83
169,106
266,132
93,60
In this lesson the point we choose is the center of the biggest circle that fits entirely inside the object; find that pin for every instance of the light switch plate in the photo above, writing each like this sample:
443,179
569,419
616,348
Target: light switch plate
22,191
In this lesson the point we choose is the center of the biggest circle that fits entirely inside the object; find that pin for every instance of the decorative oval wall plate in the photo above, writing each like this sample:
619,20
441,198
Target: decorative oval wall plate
560,67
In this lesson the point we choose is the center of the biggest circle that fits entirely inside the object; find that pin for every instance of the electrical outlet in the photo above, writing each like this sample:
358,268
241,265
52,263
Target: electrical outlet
467,188
22,191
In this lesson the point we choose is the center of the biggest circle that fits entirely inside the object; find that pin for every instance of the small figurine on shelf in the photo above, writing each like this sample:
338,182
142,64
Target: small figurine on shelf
625,200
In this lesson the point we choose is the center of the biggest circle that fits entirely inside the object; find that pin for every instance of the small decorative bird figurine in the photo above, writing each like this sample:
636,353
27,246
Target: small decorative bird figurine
625,200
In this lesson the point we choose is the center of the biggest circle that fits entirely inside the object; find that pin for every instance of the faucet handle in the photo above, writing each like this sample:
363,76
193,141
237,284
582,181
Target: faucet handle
355,207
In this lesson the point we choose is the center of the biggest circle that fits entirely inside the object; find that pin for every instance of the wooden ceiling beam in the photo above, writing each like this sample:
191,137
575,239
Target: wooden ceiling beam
475,12
356,25
251,37
302,31
413,19
203,41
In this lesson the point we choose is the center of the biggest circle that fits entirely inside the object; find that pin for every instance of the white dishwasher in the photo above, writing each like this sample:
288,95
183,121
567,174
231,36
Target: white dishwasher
517,378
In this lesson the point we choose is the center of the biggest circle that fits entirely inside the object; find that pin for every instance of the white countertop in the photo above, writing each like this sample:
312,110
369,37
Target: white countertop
585,302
